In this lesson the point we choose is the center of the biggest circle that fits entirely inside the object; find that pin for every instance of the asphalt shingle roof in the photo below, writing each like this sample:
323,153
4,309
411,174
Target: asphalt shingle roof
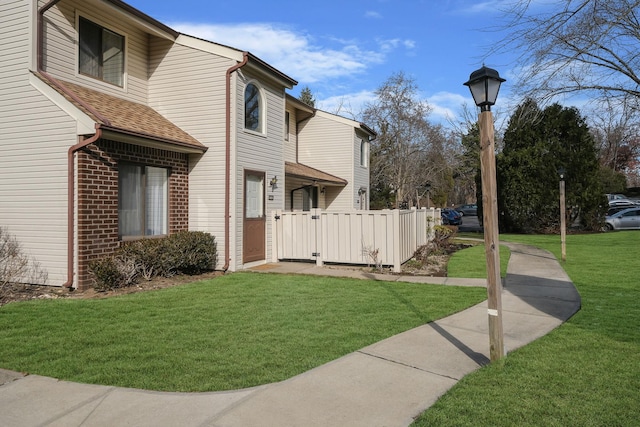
120,114
307,172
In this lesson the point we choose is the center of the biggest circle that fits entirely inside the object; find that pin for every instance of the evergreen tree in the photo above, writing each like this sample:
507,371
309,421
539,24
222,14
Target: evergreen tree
536,144
307,97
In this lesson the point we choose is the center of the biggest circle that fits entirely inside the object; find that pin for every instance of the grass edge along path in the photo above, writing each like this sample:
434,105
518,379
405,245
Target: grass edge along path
584,373
232,332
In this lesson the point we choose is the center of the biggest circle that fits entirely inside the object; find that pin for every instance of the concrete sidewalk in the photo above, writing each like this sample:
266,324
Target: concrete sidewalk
385,384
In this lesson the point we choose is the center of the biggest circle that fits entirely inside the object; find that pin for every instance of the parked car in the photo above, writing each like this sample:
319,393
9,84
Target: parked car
468,210
616,209
628,219
450,217
616,200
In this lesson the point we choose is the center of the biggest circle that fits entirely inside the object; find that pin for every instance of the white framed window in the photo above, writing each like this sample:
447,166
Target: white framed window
143,200
101,53
364,153
253,108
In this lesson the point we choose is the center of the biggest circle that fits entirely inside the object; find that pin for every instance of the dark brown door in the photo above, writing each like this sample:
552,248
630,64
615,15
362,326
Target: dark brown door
254,230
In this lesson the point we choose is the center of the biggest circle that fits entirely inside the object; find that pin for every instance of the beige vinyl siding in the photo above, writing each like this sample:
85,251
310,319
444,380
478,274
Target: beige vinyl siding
259,152
327,144
61,49
187,86
34,138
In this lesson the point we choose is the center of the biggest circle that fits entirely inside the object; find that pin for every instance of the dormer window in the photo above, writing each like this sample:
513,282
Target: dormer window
253,108
101,53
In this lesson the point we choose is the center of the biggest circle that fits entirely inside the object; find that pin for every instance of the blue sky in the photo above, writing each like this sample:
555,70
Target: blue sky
344,50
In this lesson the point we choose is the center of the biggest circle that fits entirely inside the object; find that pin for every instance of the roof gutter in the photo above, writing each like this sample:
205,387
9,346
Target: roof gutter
227,164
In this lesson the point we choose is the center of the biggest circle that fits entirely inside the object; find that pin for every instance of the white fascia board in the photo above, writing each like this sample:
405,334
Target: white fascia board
207,46
85,124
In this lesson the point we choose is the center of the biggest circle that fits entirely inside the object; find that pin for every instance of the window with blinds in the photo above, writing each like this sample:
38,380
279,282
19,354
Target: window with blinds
142,200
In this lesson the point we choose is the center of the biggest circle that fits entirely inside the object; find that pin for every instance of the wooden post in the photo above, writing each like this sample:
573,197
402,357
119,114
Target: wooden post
563,221
491,239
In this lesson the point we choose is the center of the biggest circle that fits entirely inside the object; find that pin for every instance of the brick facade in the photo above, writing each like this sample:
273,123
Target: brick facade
97,197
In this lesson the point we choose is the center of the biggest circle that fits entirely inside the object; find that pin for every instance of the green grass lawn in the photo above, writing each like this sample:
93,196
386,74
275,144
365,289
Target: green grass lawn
472,262
584,373
235,331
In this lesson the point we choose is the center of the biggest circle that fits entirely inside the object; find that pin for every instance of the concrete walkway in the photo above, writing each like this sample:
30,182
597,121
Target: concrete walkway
386,384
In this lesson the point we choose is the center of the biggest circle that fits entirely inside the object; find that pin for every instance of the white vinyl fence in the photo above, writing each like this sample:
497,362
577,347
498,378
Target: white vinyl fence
385,237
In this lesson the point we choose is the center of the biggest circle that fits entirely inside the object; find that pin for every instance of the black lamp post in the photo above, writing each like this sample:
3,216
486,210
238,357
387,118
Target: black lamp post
427,187
563,219
484,85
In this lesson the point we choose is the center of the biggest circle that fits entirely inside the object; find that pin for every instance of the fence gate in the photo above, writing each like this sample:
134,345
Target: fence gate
296,236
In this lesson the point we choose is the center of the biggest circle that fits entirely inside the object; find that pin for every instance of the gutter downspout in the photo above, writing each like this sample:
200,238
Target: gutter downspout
227,164
70,201
73,149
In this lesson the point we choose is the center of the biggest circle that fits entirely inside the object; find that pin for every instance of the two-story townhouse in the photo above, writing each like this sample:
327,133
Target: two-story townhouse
115,127
327,160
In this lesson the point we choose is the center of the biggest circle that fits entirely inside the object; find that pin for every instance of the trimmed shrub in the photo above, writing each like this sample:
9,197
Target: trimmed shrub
114,272
191,252
149,255
186,252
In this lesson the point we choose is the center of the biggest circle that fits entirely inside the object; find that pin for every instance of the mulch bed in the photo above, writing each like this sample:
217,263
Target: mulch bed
22,292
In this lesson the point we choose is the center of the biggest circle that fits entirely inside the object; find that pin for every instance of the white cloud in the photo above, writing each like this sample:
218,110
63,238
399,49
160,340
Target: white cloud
293,53
389,45
372,14
350,105
501,6
485,7
444,106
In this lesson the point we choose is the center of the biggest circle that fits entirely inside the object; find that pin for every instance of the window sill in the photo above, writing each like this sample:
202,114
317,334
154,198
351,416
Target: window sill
253,132
127,239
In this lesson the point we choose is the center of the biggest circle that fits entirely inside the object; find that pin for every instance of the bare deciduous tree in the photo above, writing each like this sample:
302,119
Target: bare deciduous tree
409,151
577,46
617,135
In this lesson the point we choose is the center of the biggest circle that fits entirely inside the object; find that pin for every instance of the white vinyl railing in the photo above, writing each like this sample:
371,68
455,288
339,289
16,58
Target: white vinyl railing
385,237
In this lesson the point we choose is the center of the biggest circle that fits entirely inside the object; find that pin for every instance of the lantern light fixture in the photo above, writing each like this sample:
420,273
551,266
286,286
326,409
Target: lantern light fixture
484,85
562,172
